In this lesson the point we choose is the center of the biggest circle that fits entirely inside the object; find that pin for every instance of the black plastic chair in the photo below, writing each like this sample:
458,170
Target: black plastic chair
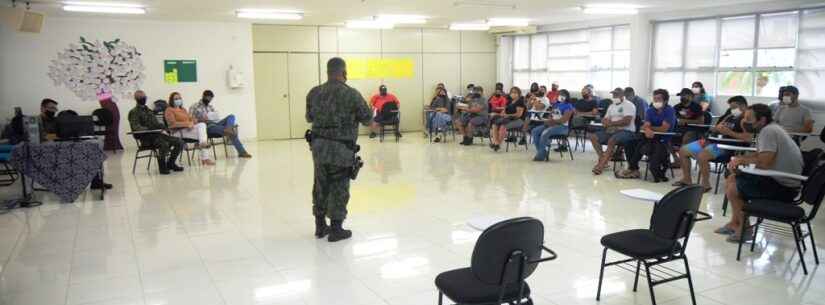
665,241
514,136
791,213
390,121
144,146
561,141
505,254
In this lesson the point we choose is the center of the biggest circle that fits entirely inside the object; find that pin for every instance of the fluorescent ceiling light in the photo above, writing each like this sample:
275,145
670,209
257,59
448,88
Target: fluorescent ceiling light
487,4
270,14
611,9
405,19
369,24
82,3
507,22
106,8
469,27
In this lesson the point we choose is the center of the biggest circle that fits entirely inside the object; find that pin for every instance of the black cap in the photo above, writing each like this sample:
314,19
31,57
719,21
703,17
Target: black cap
618,91
382,87
208,93
791,89
685,91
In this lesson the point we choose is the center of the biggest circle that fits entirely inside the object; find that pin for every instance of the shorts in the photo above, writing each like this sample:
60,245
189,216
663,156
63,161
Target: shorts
761,187
695,148
621,137
475,120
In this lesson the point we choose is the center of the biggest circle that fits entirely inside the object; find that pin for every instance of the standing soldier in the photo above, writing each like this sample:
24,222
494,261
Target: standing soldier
334,110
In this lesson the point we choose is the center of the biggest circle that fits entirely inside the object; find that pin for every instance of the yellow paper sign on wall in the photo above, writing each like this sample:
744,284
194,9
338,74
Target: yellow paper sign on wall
171,77
376,68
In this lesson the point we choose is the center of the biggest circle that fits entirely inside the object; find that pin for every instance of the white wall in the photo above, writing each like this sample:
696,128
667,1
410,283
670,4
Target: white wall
25,60
439,55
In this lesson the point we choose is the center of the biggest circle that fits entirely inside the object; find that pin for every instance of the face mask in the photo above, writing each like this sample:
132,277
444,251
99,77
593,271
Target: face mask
562,98
616,101
206,100
696,90
177,102
658,105
141,100
786,100
736,112
50,114
498,94
685,100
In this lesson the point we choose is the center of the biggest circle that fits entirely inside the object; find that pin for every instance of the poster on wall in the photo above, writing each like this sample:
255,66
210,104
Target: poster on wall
180,71
94,66
380,68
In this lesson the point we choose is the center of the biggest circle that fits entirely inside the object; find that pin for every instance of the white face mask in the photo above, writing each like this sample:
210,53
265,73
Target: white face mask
736,112
616,100
786,100
658,105
177,102
562,98
696,90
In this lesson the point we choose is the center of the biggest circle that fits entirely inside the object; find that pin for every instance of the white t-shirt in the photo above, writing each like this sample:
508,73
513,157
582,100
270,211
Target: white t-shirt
618,112
544,100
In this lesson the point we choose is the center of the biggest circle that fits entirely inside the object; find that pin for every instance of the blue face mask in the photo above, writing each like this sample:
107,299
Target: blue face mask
178,102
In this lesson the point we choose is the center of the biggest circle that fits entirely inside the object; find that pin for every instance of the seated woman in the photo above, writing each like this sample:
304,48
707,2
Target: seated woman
658,119
512,118
438,119
535,115
179,120
557,124
704,151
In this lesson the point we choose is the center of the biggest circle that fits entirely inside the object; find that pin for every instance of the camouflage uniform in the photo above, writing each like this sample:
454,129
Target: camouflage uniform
334,110
142,118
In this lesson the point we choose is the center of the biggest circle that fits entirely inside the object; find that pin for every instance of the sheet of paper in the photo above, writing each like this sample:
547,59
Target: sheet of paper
771,173
642,194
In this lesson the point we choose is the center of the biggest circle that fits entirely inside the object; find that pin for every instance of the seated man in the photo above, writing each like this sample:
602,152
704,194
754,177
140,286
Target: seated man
141,118
48,119
688,111
557,124
792,116
204,112
704,151
659,118
474,115
775,151
553,94
640,104
377,102
586,108
618,129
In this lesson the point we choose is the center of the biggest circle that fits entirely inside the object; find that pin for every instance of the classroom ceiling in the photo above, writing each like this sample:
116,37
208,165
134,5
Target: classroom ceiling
441,12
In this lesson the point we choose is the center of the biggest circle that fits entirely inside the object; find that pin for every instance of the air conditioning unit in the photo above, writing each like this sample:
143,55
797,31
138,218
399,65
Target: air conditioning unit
22,20
513,30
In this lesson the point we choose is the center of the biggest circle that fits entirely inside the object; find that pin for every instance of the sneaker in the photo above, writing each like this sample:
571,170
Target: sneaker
437,139
522,142
372,135
560,149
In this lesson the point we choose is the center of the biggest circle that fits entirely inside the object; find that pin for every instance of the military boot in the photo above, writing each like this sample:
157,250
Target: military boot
337,232
321,227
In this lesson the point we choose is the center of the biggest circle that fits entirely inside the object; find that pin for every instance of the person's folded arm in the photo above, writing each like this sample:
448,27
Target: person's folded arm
808,126
665,127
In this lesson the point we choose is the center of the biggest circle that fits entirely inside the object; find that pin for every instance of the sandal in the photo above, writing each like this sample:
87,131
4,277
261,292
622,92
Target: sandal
597,170
679,183
724,230
628,174
706,189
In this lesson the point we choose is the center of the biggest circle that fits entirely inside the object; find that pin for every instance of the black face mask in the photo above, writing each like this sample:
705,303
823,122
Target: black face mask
207,100
50,114
141,100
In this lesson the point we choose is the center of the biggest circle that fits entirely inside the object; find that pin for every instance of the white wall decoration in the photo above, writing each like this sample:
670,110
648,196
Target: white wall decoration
114,66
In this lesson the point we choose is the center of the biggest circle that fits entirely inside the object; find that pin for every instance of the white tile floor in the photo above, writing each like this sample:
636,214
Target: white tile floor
241,233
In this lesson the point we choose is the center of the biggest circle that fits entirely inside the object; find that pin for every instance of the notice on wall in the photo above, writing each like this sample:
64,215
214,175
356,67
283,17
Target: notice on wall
180,71
380,68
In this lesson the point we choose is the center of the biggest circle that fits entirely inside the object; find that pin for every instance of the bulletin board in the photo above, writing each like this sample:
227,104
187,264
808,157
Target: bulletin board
180,71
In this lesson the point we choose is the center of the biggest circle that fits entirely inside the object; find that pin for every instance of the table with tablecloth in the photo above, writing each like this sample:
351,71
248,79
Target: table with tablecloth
63,168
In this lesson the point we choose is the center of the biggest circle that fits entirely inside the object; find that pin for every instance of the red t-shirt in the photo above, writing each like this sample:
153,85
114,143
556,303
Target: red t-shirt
498,103
377,101
553,95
